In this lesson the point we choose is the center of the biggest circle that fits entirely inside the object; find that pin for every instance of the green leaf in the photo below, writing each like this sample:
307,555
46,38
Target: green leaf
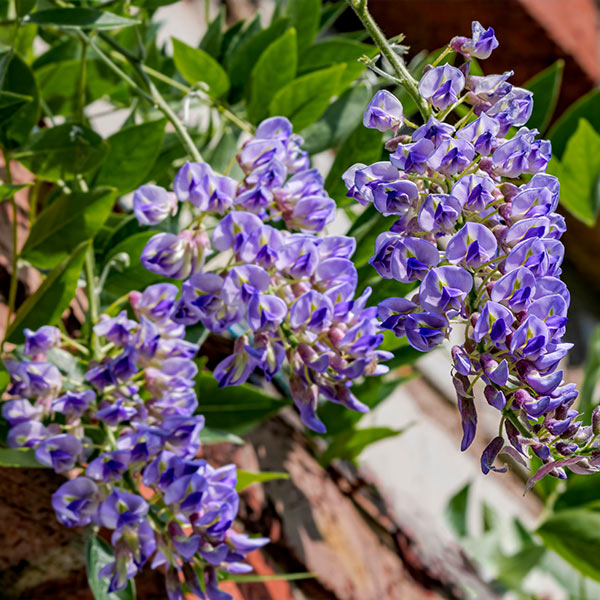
247,53
131,154
97,555
305,16
334,51
362,145
339,119
277,577
588,396
578,173
134,276
588,108
349,444
4,377
246,478
63,151
78,18
213,38
24,6
13,457
513,569
305,99
62,226
581,491
216,436
47,304
8,190
456,511
198,66
10,103
546,88
575,536
18,79
236,408
275,68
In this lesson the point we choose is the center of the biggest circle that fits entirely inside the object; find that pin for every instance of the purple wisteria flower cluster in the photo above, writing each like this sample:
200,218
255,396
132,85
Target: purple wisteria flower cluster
251,259
126,422
477,231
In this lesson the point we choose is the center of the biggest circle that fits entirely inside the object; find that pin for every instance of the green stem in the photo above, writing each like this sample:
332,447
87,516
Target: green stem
360,8
14,276
92,293
81,83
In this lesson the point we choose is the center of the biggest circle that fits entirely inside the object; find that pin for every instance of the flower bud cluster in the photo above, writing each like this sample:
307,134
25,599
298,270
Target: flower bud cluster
477,231
128,423
251,259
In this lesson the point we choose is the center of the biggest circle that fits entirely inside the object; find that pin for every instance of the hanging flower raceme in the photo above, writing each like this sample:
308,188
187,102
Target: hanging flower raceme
254,258
477,233
129,418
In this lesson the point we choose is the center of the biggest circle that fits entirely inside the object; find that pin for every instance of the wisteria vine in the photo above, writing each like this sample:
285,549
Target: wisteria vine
478,232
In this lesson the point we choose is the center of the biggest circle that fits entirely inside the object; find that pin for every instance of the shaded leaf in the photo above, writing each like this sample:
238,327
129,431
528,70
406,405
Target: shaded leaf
247,478
216,436
588,395
97,555
456,511
13,457
236,408
305,99
46,305
546,88
339,119
305,16
64,150
275,68
349,444
588,108
8,190
277,577
17,79
78,18
578,173
198,66
211,41
131,154
574,535
64,224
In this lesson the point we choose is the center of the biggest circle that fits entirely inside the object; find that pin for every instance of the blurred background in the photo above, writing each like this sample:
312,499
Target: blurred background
403,506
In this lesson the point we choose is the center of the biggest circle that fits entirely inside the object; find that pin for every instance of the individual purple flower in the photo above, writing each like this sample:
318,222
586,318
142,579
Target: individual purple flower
512,109
412,158
122,510
312,214
480,45
434,131
482,133
156,302
451,157
152,204
298,257
74,403
109,466
236,368
360,180
60,452
439,213
242,282
30,379
496,372
265,311
116,329
530,338
395,197
425,330
441,85
75,502
26,434
262,246
462,362
20,411
170,255
489,88
115,412
473,245
443,289
402,258
489,456
42,340
474,192
384,112
233,230
311,310
182,434
199,184
495,322
515,289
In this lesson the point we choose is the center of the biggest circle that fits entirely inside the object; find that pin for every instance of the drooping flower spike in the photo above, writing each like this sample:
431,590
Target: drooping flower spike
479,236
